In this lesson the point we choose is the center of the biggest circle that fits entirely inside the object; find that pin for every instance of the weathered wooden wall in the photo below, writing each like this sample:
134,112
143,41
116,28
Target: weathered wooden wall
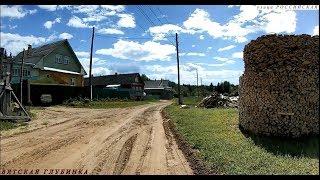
279,90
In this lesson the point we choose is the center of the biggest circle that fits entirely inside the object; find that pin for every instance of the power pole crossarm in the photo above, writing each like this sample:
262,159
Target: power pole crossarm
90,70
177,49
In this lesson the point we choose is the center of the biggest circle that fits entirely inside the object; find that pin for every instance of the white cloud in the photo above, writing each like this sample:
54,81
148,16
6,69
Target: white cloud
269,21
77,23
147,51
247,13
201,37
278,22
48,7
16,11
315,31
84,8
209,48
188,73
220,59
15,43
192,54
110,31
99,65
49,24
82,54
118,8
65,36
226,48
126,21
193,45
237,55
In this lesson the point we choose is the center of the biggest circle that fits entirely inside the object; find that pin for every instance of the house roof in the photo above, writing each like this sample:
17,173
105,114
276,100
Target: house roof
113,79
39,52
156,84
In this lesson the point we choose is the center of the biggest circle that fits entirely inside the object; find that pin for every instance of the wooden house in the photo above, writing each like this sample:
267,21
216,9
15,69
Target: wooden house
158,89
50,64
117,85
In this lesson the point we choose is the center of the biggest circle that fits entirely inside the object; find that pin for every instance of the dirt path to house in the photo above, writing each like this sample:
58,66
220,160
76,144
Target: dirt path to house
99,141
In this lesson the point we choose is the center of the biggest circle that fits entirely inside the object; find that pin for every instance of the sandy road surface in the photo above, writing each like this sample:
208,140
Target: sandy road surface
101,141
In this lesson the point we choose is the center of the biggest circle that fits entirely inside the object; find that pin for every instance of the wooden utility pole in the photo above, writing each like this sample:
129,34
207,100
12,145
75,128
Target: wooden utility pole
197,83
177,49
21,76
90,70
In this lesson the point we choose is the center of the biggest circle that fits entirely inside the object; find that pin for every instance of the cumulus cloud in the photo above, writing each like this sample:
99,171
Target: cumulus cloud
82,54
65,36
77,22
117,8
126,21
188,73
237,55
192,54
147,51
110,31
249,20
48,7
316,31
16,11
15,43
48,24
226,48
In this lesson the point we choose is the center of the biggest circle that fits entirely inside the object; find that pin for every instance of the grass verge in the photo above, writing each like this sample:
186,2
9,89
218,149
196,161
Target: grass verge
104,104
215,136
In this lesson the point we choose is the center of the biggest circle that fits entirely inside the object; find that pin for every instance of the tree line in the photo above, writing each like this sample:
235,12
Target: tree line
226,88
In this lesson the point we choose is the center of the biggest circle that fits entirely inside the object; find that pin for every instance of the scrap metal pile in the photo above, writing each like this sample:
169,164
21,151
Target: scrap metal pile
279,90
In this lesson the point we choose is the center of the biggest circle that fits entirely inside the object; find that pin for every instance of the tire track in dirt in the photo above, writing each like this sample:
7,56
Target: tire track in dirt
111,141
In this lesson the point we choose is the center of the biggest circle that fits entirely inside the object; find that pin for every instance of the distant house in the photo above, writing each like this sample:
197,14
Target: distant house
54,63
159,89
117,85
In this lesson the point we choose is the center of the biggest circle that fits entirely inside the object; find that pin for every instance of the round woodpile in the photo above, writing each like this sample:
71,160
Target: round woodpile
279,90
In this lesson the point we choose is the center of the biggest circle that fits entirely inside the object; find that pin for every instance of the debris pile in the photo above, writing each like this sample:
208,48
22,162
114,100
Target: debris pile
279,90
214,100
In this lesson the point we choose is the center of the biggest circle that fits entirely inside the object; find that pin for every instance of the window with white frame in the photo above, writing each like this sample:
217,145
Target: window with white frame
66,60
58,58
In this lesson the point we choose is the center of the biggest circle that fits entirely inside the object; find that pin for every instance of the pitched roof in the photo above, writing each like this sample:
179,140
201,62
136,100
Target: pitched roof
156,84
113,79
39,52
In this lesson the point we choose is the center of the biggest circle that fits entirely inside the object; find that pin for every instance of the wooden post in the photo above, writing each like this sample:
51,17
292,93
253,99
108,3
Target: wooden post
90,70
177,49
197,84
21,77
29,92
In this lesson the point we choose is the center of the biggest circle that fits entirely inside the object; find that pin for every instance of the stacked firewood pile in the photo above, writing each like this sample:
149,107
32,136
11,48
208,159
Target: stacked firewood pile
279,90
213,100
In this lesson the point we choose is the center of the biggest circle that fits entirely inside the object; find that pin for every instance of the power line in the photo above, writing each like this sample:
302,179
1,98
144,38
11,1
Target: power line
150,21
116,37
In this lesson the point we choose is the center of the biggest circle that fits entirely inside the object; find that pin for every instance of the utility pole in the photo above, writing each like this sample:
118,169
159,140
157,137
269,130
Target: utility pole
21,75
201,88
197,83
90,70
177,49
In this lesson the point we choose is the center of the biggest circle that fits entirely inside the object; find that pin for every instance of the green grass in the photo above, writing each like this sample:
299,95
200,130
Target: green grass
104,104
222,146
191,101
7,125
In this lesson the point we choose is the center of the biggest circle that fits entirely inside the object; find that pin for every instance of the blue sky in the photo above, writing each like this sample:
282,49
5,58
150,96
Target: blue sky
140,38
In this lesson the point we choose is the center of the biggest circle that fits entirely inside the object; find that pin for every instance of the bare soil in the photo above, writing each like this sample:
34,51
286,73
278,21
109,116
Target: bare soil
102,141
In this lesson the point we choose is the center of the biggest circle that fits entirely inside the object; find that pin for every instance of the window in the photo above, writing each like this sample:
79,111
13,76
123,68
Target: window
58,58
73,82
66,60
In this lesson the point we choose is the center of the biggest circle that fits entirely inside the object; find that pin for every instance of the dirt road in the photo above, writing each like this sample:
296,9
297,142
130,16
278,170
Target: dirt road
100,141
